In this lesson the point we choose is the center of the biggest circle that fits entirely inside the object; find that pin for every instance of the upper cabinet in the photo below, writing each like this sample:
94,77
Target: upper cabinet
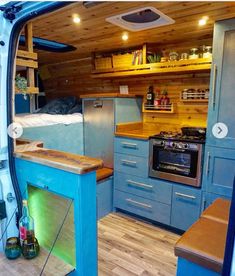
222,96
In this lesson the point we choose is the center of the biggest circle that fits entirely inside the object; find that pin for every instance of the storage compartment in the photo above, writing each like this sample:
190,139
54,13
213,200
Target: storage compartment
104,192
143,207
131,164
186,203
131,146
144,187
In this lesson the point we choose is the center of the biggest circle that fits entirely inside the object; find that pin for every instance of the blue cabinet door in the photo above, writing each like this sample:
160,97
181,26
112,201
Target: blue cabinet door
219,171
186,206
222,100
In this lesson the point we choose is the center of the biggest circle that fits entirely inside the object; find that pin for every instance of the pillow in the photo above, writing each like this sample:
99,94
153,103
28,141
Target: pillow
59,106
76,109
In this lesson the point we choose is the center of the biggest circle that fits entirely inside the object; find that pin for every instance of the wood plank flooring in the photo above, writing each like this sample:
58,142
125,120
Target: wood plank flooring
127,247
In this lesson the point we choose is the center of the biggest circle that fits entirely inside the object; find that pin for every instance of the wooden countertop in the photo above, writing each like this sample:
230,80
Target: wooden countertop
140,130
61,160
136,134
109,95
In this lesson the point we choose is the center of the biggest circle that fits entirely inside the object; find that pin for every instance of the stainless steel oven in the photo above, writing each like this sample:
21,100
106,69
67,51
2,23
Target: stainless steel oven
176,161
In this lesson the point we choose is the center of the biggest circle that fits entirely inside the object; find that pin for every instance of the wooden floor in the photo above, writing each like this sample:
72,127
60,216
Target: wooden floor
126,247
131,247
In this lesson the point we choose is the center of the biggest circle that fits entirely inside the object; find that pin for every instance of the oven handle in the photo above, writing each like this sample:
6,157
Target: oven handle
139,184
175,150
147,206
184,195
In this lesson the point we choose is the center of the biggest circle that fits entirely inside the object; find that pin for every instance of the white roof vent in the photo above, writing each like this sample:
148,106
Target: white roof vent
141,19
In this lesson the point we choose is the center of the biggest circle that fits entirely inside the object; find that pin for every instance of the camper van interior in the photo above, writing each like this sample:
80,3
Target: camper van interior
126,147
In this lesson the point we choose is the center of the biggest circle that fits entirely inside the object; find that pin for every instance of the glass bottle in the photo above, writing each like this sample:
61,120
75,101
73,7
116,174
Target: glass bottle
26,224
150,96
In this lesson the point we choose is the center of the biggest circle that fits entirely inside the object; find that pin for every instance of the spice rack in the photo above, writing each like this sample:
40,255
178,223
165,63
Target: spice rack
194,96
158,109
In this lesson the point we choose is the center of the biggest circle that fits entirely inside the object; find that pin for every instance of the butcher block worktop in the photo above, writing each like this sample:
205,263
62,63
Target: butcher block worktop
61,160
143,131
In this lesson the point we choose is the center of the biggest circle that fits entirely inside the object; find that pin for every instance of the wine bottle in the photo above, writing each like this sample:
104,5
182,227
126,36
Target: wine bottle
26,224
150,96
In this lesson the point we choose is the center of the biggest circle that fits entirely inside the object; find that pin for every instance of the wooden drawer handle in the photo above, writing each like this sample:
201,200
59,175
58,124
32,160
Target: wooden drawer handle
129,145
184,195
147,206
139,184
129,163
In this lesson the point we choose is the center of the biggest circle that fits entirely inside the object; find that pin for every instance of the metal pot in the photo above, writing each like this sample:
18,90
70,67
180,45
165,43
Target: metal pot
194,131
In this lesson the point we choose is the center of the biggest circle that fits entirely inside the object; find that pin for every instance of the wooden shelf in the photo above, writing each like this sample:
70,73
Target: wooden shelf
181,66
158,109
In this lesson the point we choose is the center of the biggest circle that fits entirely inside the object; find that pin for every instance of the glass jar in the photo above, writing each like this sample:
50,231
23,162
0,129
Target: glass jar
30,248
185,94
173,56
207,53
12,249
194,53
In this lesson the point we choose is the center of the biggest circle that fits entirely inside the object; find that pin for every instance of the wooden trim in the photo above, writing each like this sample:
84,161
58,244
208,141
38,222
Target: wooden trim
109,95
144,54
29,36
30,90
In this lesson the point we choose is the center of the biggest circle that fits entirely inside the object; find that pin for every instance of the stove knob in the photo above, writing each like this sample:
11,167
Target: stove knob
186,146
162,143
173,145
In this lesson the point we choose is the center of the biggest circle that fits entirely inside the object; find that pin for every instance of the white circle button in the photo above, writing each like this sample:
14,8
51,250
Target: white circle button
220,130
15,130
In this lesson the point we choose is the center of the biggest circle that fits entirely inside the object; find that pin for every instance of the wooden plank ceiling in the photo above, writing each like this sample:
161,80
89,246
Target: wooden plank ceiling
95,34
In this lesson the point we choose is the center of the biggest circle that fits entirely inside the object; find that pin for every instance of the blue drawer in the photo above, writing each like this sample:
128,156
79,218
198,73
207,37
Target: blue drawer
143,207
186,206
131,164
131,146
144,187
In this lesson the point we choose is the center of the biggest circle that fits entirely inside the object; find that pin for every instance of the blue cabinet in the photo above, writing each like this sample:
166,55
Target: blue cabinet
219,171
141,206
222,101
186,206
157,190
131,146
104,196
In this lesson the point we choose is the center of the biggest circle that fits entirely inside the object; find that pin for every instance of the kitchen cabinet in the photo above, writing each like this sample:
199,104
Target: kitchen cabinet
219,171
186,206
222,100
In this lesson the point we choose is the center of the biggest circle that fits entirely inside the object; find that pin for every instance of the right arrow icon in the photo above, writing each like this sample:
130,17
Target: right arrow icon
220,130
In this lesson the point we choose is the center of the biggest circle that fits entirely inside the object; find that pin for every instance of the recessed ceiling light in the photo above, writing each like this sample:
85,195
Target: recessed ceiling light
125,36
76,19
203,21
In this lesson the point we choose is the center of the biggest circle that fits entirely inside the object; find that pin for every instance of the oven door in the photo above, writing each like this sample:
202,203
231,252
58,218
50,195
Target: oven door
179,165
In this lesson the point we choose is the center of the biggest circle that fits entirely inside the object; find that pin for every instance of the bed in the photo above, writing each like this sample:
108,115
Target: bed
60,132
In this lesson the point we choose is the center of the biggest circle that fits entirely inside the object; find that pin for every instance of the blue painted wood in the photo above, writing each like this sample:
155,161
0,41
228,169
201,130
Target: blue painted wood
128,110
104,197
221,103
80,188
209,198
61,137
144,187
219,171
186,268
22,105
131,146
186,206
131,164
143,207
